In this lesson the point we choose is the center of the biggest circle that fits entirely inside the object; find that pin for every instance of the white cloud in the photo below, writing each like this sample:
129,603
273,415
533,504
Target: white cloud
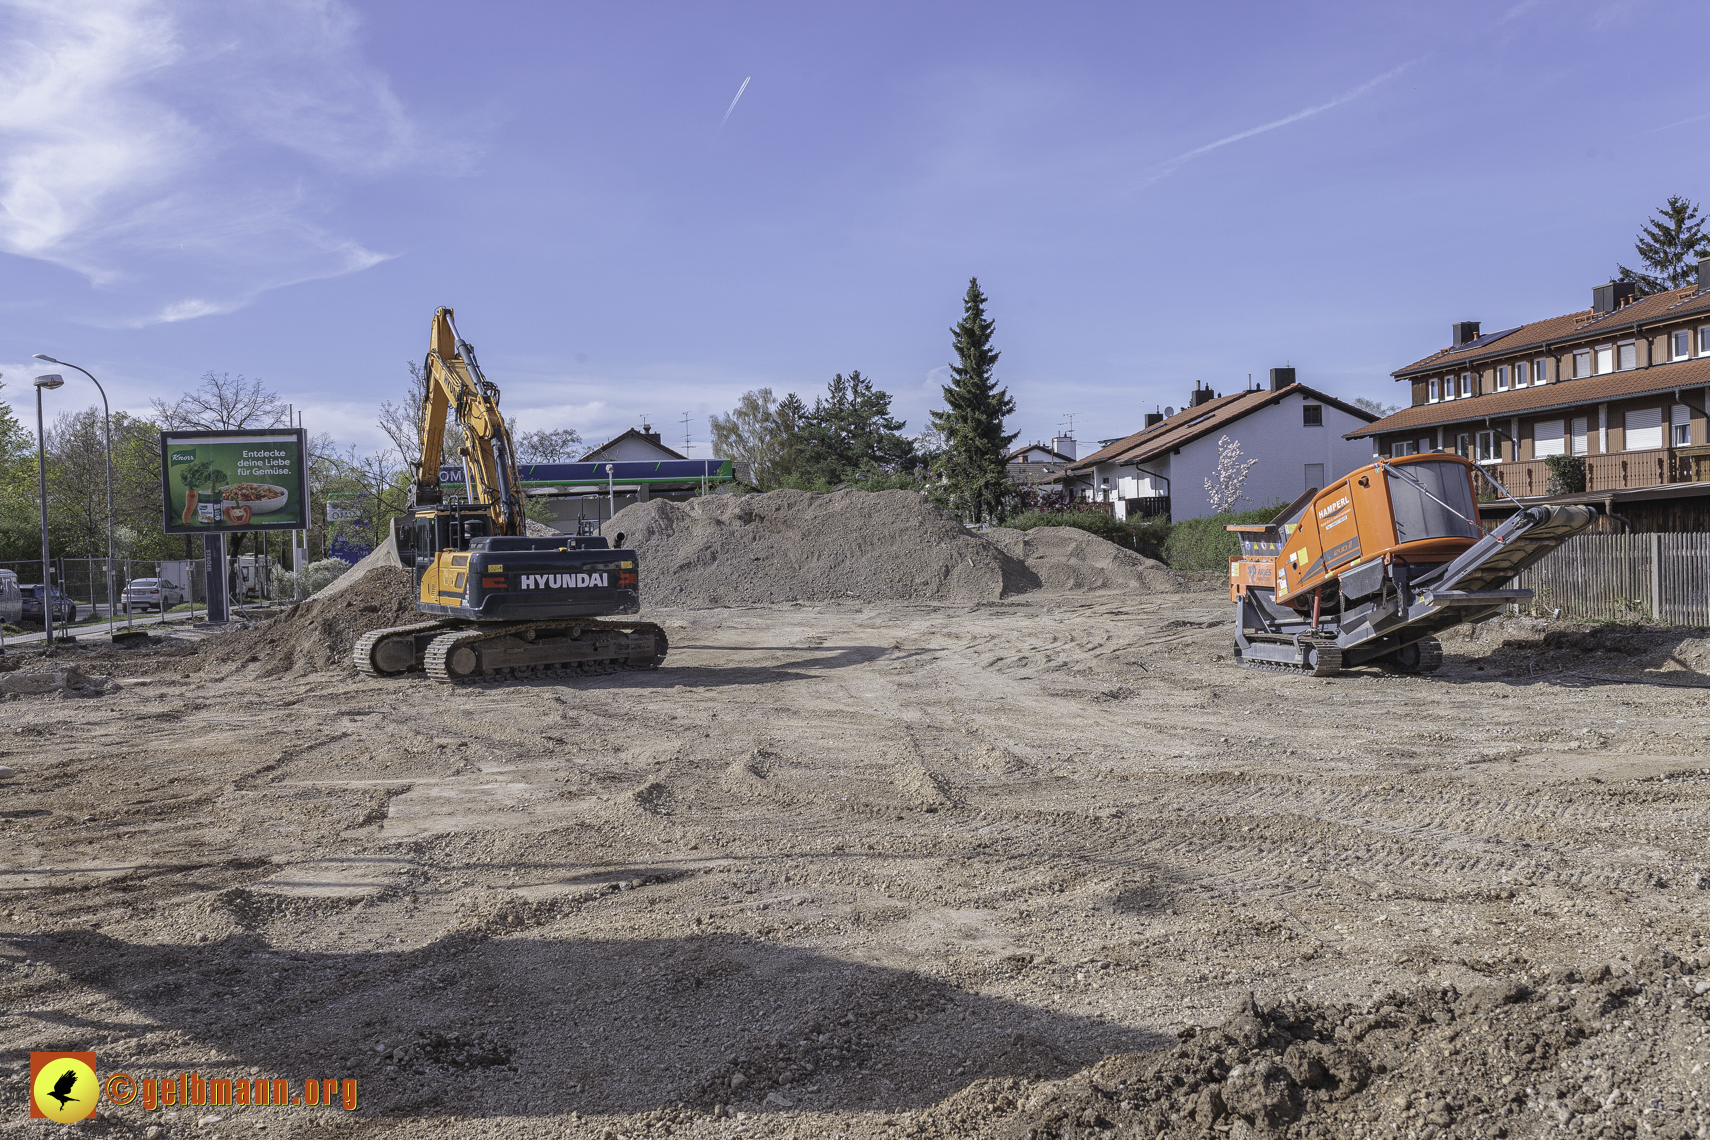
180,153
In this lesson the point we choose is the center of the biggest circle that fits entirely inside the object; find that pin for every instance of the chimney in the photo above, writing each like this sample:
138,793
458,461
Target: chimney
1281,378
1703,274
1463,332
1608,298
1201,395
1153,419
1064,445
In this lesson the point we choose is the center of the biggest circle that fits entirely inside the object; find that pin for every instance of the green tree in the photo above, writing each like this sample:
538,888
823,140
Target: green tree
757,435
975,442
1669,245
851,433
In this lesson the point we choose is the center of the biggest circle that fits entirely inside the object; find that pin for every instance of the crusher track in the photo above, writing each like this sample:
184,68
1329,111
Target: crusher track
1328,660
458,650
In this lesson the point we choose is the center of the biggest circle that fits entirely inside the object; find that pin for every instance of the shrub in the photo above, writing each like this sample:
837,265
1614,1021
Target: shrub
311,579
1567,474
1203,544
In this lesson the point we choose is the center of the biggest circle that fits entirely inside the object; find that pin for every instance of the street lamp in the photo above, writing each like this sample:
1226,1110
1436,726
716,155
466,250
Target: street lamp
108,421
52,380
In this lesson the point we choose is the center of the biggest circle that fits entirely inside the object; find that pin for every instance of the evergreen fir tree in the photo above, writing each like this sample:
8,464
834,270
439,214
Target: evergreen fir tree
1670,245
975,442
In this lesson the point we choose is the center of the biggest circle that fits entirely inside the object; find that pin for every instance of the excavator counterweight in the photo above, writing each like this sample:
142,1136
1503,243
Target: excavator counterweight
1370,569
499,601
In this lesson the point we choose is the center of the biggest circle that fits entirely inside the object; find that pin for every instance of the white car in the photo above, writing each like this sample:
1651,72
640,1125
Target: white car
150,594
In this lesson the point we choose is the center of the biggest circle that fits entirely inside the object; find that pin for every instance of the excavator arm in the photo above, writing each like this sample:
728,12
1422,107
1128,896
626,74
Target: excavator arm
455,384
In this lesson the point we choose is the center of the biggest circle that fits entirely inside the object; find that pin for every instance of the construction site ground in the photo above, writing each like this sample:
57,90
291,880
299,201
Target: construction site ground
880,870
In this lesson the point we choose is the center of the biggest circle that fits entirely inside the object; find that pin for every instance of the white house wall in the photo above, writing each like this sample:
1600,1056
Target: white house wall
1273,435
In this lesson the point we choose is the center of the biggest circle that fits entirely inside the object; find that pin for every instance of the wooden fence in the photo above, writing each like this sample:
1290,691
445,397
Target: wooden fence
1662,578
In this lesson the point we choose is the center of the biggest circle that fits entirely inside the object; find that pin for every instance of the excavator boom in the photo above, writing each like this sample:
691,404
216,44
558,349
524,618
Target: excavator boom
455,384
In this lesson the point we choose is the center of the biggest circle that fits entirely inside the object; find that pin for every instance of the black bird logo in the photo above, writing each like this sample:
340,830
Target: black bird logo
62,1087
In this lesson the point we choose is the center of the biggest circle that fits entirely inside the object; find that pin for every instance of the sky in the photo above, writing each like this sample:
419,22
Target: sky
1152,196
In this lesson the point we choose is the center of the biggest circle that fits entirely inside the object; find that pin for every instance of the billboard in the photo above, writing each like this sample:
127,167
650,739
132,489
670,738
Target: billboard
246,479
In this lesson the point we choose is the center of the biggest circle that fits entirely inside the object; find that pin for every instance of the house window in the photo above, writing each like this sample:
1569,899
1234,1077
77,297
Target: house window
1466,383
1538,374
1704,341
1431,392
1626,355
1680,420
1605,359
1312,415
1547,438
1582,363
1403,447
1502,377
1644,429
1489,450
1463,446
1679,344
1576,435
1314,476
1520,377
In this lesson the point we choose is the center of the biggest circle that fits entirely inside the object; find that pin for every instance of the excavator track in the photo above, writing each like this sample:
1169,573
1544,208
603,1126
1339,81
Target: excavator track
370,659
559,647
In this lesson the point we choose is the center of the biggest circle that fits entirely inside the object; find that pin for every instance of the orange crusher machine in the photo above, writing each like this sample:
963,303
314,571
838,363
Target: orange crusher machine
1370,569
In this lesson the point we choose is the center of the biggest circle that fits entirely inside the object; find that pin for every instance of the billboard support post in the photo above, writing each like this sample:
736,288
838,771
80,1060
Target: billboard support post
214,571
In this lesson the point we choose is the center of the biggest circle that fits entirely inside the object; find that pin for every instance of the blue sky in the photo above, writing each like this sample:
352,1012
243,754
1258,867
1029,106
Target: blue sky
1150,194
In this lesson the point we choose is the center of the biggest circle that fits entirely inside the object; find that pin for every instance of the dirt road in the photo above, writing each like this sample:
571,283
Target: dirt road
881,871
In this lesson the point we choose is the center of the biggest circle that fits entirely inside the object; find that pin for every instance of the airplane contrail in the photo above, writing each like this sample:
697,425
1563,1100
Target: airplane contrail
1175,163
732,106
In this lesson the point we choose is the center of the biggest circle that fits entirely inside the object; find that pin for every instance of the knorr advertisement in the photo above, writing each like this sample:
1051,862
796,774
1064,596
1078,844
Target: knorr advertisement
234,480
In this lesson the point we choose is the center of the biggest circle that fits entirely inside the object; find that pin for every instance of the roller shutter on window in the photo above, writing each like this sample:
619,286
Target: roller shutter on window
1644,429
1577,434
1547,438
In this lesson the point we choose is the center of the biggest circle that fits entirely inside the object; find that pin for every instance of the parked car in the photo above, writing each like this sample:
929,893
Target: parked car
150,594
64,608
11,597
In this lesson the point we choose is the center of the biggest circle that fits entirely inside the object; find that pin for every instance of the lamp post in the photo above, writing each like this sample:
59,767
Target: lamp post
52,380
107,413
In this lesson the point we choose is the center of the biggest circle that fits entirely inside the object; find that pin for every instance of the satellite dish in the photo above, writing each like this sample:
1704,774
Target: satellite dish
1169,411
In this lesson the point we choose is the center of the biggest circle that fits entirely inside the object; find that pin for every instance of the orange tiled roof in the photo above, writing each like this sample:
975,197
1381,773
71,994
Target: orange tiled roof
1561,394
1569,326
1190,424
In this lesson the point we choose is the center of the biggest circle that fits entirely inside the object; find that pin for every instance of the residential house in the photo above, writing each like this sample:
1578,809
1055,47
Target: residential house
632,446
1039,466
1620,385
1297,435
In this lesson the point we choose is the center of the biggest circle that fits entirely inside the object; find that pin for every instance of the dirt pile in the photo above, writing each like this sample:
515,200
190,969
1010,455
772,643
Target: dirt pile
1068,558
1592,649
320,633
790,546
1515,1057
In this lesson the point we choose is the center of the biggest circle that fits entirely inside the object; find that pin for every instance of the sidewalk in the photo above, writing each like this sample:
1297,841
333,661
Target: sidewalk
99,632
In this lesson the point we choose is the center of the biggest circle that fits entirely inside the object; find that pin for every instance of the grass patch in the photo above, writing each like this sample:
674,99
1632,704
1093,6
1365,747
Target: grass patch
1193,544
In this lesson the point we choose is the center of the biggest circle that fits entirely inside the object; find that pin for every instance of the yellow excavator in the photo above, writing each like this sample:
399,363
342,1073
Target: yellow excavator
503,602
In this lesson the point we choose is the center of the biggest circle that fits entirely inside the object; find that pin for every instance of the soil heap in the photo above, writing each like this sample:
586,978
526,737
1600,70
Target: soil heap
798,546
1068,558
320,633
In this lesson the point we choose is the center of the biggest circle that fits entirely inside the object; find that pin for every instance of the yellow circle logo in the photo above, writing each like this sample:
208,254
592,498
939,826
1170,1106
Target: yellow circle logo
66,1090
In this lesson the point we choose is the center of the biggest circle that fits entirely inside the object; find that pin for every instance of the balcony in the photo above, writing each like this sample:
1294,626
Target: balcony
1617,471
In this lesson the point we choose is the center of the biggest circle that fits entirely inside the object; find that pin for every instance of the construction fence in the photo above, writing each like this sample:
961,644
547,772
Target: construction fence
1658,578
85,579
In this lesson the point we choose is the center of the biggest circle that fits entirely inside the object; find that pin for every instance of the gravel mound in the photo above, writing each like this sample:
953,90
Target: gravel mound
797,546
1522,1056
319,634
1068,558
1597,649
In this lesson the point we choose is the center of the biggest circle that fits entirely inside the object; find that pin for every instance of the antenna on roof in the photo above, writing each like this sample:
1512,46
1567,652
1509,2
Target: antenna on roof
1068,424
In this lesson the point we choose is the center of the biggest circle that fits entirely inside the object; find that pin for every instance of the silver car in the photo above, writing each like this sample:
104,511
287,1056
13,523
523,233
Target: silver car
149,594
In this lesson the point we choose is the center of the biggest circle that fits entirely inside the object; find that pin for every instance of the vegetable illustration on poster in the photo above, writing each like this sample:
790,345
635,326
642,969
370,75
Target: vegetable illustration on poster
234,480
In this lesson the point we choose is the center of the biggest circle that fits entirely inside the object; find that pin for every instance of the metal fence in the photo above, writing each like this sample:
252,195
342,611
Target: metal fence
85,579
1662,578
